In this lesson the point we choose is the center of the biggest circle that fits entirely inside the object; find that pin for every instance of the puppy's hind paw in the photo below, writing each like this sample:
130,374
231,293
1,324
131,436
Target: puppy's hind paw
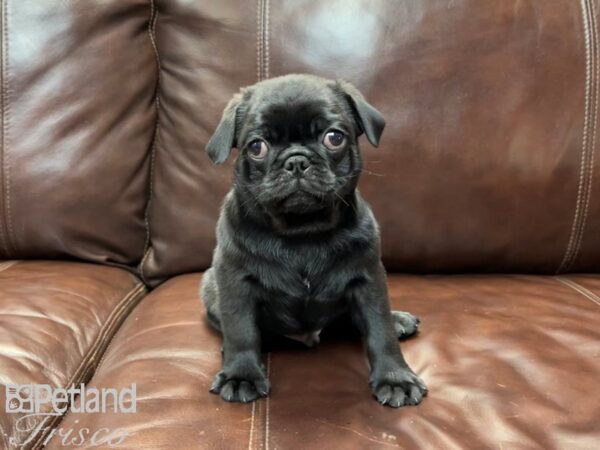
405,324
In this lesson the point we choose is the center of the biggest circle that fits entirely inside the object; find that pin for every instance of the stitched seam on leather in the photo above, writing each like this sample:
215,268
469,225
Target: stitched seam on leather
581,189
6,133
267,55
110,339
268,405
81,374
263,12
6,265
580,289
110,327
6,219
2,227
254,438
260,434
590,176
152,34
260,429
251,435
259,41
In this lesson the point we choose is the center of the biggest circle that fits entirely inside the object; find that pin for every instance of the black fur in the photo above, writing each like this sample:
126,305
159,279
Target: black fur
299,248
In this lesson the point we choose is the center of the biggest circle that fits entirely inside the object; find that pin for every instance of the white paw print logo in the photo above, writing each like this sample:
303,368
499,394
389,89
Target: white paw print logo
19,398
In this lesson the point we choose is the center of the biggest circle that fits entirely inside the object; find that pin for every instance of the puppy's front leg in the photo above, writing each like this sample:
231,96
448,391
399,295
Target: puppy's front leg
393,383
242,378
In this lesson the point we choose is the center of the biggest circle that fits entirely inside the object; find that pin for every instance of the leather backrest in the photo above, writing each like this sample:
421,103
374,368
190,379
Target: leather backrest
488,157
488,162
207,50
78,117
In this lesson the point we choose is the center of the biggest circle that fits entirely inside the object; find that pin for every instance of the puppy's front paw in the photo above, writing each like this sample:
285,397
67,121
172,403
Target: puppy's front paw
242,384
398,387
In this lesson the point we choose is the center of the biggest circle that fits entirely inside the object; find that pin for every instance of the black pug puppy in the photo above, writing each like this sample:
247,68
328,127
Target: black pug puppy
297,246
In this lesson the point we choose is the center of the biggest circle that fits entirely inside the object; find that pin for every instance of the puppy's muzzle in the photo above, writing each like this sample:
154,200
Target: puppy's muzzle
296,165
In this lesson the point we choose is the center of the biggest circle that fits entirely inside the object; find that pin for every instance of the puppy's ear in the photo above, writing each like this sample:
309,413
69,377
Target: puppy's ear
368,118
223,140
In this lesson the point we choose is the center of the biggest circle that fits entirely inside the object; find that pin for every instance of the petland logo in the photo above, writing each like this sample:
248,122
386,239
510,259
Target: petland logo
44,399
36,404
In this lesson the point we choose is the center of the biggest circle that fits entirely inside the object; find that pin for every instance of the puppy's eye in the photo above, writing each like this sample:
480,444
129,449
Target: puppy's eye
257,149
334,140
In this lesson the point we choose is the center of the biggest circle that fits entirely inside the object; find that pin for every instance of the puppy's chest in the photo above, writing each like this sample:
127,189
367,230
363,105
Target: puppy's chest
306,283
302,302
302,290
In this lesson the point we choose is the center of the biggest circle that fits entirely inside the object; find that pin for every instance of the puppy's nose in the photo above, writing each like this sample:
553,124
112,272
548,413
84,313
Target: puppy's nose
296,165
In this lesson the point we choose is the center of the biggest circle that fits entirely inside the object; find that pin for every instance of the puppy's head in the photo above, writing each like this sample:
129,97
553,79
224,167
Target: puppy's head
298,139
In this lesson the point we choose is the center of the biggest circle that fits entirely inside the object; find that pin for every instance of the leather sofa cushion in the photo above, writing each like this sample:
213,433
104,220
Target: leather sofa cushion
78,117
56,319
489,153
511,362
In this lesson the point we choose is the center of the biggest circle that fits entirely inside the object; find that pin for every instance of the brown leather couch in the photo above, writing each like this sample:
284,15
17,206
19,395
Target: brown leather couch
486,187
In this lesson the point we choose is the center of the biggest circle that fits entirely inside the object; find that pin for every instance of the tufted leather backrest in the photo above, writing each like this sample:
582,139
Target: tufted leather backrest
78,116
487,160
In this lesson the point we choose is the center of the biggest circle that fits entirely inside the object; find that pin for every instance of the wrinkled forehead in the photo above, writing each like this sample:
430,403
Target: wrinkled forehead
296,109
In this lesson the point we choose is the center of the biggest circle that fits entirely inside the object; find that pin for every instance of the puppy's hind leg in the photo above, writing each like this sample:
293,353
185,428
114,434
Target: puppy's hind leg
405,324
210,297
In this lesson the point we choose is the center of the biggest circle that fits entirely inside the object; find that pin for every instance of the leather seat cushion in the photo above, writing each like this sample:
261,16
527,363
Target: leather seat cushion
56,319
510,361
